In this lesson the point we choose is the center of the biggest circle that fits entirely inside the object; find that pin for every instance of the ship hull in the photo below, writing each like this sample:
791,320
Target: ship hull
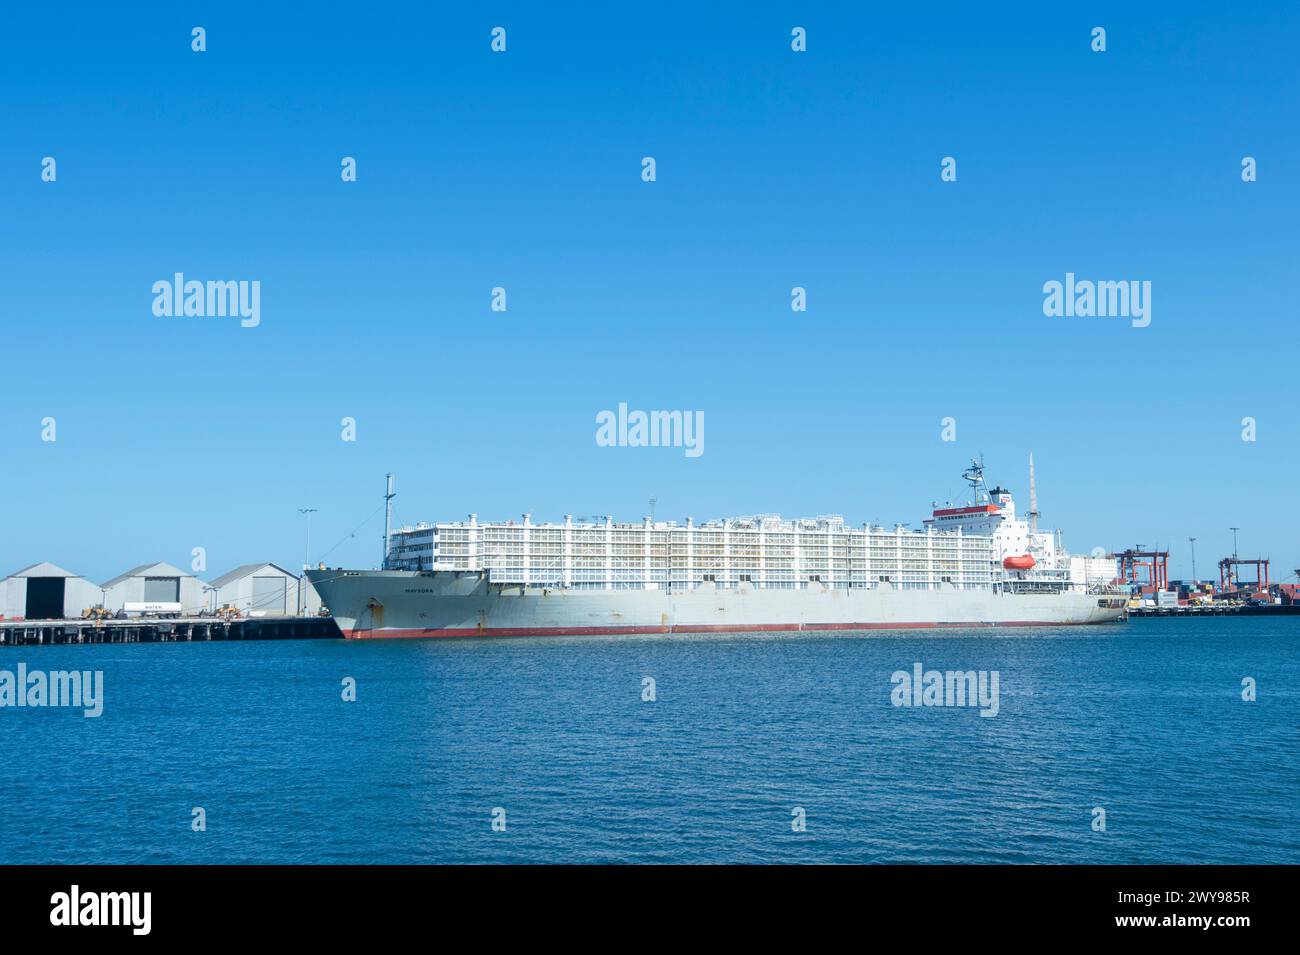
395,604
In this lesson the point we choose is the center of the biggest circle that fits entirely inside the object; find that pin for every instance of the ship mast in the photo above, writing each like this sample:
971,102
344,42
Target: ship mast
974,476
1033,497
388,521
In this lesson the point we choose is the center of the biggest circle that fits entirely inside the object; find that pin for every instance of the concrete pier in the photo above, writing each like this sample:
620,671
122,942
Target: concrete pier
21,633
1219,610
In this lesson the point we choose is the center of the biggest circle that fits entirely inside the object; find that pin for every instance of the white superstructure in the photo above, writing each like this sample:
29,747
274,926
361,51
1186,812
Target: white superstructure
764,551
973,546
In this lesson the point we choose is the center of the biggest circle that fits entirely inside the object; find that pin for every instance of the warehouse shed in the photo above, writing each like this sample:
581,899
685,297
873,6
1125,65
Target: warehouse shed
46,591
154,585
262,589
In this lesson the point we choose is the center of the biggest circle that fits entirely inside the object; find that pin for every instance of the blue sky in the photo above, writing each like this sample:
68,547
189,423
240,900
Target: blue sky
522,170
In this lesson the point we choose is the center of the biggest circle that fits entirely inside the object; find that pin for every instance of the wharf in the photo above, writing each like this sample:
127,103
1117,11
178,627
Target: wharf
1218,610
20,633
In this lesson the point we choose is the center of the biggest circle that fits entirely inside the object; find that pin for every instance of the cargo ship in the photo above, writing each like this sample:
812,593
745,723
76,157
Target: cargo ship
975,564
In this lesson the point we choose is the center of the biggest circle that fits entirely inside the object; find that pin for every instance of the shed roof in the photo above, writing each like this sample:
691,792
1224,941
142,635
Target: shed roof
160,569
246,570
43,569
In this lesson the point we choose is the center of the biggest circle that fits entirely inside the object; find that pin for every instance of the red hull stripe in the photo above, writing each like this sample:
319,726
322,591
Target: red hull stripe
391,633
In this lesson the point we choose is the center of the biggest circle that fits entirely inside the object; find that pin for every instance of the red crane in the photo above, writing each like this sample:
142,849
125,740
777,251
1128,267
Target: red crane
1230,579
1154,565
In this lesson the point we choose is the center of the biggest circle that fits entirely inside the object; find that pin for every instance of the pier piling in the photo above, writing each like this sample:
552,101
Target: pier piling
19,633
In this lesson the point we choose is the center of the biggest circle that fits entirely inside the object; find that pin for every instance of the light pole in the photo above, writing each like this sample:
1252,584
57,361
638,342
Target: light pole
1193,543
307,512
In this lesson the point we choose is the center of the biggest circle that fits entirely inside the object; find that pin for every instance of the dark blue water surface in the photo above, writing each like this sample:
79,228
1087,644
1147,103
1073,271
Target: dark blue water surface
1143,719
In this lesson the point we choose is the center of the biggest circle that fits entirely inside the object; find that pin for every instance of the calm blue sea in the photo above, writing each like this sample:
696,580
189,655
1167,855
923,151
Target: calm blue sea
1144,720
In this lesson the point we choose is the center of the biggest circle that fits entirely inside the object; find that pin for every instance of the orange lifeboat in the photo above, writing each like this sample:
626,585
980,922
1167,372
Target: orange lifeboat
1022,562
